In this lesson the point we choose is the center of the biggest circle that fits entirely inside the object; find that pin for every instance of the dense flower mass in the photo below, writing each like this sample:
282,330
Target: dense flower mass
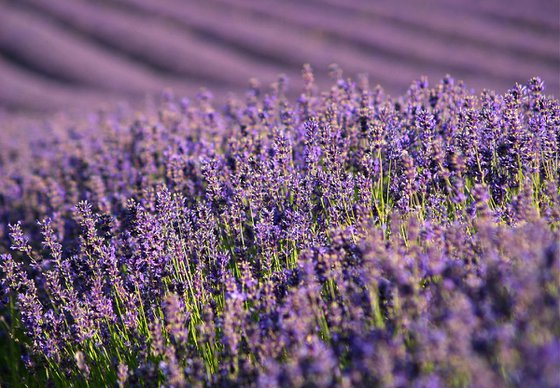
344,239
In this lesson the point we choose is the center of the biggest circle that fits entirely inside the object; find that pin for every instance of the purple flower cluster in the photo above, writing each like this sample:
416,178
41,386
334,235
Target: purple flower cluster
344,239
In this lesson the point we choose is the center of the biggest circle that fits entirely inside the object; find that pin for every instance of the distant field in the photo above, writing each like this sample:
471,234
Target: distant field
67,54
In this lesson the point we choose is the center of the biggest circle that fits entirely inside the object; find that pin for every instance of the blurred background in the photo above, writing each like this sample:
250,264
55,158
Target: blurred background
73,54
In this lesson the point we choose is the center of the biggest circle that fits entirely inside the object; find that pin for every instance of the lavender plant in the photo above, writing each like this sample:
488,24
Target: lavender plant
347,238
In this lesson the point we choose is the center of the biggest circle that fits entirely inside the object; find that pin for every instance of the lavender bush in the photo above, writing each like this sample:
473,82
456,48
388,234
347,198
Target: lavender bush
344,239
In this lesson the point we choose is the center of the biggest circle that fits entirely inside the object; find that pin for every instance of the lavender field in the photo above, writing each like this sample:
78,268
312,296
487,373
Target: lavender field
288,225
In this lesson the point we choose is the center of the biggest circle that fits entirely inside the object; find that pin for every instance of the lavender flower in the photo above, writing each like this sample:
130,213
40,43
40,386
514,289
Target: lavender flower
344,239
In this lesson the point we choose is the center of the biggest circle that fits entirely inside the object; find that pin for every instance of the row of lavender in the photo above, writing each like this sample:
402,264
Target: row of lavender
345,239
89,53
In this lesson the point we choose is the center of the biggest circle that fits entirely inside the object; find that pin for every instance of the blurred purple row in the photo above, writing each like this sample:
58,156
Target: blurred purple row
70,54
